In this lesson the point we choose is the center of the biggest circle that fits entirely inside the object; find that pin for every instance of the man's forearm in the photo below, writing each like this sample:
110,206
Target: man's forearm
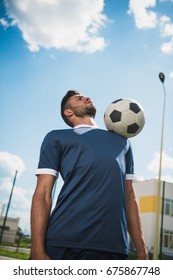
134,221
135,230
40,213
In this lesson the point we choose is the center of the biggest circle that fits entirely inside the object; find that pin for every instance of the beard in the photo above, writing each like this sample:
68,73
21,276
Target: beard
85,111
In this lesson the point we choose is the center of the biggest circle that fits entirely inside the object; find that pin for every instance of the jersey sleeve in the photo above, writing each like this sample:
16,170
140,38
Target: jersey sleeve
129,163
49,156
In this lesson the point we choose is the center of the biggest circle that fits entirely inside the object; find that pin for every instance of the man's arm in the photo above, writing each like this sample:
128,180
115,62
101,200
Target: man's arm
134,222
40,213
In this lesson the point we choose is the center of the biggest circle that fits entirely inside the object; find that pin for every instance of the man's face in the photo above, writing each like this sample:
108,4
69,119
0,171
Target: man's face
81,106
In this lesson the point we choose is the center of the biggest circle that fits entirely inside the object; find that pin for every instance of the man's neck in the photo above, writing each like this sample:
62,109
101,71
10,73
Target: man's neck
87,120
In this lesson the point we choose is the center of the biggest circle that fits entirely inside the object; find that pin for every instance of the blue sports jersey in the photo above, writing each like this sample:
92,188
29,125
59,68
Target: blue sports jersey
90,212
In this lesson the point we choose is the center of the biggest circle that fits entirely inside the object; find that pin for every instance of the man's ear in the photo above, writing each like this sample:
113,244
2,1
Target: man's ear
68,113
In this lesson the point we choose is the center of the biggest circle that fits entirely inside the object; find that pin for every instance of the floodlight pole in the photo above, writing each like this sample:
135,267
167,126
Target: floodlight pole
158,198
8,206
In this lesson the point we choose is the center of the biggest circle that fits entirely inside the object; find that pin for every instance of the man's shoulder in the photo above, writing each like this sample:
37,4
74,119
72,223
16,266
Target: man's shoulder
57,133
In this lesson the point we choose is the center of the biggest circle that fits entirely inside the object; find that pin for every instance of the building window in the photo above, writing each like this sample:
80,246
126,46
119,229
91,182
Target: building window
168,239
168,207
172,208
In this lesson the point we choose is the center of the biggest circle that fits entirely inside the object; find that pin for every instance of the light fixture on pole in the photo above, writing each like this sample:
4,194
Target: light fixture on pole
158,197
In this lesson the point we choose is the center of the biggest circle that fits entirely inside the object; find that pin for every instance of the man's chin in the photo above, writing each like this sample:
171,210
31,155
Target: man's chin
91,111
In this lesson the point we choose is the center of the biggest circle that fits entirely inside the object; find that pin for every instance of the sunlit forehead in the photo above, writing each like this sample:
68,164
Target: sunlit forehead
78,97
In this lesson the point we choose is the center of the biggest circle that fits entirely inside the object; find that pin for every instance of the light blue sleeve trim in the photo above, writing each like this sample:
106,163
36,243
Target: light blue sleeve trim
130,176
46,171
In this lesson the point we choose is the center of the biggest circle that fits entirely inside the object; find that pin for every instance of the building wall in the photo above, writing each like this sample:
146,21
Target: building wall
146,192
10,231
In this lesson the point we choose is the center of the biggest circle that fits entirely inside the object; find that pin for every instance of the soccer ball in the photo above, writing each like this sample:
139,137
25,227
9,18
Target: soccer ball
125,117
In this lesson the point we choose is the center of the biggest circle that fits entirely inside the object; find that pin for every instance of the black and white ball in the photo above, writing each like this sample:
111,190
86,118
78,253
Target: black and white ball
125,117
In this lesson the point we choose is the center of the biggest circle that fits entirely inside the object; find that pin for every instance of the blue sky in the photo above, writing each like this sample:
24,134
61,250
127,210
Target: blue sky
106,50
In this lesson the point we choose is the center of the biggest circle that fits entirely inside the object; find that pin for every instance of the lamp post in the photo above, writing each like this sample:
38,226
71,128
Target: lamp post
158,198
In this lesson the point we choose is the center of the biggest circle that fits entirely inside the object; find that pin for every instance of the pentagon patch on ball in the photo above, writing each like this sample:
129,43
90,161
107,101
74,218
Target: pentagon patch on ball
125,117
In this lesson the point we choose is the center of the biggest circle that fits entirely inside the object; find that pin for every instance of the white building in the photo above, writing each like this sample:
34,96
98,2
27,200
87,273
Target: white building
146,192
10,230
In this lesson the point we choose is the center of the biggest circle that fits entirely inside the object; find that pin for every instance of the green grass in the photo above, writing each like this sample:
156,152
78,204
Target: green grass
18,255
25,243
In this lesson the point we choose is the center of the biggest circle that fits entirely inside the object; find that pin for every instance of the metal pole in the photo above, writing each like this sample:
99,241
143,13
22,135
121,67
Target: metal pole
161,225
8,206
158,198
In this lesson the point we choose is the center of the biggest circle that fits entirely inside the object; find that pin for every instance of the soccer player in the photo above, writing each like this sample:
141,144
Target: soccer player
96,206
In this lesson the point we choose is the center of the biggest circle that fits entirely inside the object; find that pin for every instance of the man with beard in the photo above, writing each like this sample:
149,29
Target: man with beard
96,206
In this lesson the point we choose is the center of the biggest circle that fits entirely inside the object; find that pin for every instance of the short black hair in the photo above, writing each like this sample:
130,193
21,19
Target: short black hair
64,100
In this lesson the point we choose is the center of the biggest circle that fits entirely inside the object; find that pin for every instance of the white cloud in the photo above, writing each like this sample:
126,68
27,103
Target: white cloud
9,164
21,198
166,26
167,178
4,23
166,31
143,17
167,164
171,75
20,203
167,47
69,24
